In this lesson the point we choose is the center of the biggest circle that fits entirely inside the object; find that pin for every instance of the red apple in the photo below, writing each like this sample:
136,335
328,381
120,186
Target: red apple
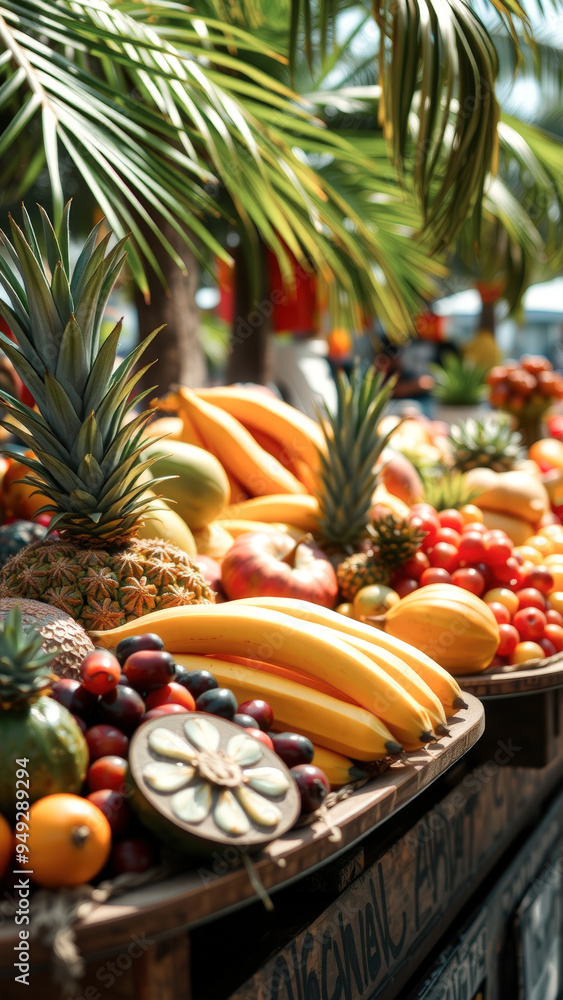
211,570
275,565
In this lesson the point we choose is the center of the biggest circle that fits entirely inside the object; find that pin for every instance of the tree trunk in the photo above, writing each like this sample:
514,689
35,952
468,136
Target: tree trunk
176,351
249,356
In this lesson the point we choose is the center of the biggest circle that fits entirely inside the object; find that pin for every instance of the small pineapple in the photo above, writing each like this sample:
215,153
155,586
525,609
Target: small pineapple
489,443
458,382
32,725
347,478
88,454
448,492
396,540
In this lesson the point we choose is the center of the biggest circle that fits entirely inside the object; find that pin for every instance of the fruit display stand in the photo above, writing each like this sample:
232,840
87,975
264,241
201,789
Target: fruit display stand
143,935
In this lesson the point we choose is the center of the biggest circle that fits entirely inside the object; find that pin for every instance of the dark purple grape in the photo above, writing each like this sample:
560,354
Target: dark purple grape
148,669
181,674
74,696
260,712
134,643
123,707
246,721
313,786
293,748
198,682
217,701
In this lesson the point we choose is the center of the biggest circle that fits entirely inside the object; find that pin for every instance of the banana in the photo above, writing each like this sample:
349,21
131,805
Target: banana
234,446
396,668
300,511
299,434
336,724
438,680
340,770
239,526
308,648
290,675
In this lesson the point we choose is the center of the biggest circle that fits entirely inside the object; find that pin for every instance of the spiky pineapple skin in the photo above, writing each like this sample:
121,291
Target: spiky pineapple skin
105,588
360,570
63,637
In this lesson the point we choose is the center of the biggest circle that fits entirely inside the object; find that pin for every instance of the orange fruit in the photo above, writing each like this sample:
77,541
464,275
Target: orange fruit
69,840
471,513
555,534
556,600
543,545
502,595
529,554
527,651
548,453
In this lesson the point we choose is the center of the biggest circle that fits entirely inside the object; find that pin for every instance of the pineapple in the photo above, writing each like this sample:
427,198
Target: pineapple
489,443
396,540
347,478
448,491
63,637
88,453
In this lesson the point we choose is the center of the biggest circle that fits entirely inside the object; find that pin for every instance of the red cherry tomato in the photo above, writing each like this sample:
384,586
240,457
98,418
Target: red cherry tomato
554,617
107,772
173,692
497,549
451,518
555,635
425,518
498,661
509,574
530,623
529,597
509,639
548,647
104,740
115,808
414,567
435,574
100,671
260,735
501,612
405,587
472,547
475,526
447,535
469,579
485,571
539,578
444,556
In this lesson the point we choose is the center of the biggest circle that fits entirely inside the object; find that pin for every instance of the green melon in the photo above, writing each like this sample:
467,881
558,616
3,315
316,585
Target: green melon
200,490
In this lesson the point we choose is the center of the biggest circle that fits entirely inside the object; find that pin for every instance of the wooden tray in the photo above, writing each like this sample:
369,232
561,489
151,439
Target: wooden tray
193,897
526,678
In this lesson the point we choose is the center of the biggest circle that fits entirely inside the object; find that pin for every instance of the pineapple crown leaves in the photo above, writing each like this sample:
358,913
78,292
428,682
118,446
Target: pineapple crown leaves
490,441
353,446
87,449
458,381
24,673
448,490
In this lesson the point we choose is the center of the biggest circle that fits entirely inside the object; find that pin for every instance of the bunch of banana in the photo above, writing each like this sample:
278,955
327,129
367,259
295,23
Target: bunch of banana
265,446
358,694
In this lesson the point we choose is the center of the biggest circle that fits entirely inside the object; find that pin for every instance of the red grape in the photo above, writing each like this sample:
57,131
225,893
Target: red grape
259,710
245,721
122,707
501,612
134,643
133,855
414,567
104,740
548,647
555,635
258,734
220,701
115,808
198,681
75,697
509,573
539,578
313,786
148,669
447,535
554,617
405,586
435,574
497,549
472,547
100,671
172,693
293,748
107,772
474,527
425,518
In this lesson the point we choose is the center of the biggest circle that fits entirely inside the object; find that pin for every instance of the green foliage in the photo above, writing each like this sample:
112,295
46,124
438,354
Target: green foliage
458,382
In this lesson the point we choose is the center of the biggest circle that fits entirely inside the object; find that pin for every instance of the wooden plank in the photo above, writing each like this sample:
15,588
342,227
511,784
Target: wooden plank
520,679
484,951
208,889
367,943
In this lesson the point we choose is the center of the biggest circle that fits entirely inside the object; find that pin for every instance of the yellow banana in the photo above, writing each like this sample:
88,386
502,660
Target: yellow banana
340,726
240,526
438,680
257,633
257,470
300,511
301,435
340,770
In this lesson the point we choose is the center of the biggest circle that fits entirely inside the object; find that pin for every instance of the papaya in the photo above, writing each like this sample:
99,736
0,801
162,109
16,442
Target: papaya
200,488
163,522
213,540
